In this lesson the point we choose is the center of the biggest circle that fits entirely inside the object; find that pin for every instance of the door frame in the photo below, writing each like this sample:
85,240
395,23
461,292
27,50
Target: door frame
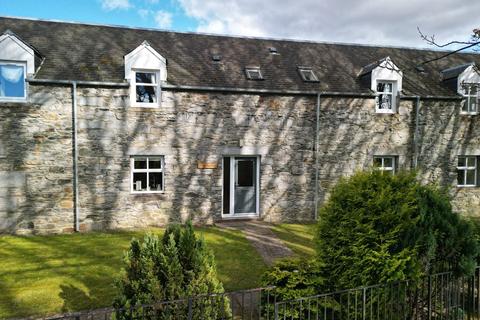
232,215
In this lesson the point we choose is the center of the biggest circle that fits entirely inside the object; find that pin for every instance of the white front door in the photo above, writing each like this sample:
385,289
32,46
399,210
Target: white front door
240,186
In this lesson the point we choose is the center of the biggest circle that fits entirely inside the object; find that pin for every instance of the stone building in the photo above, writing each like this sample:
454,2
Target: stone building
112,127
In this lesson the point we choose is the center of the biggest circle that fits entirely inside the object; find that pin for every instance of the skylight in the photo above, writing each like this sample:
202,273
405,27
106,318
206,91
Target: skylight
307,74
253,73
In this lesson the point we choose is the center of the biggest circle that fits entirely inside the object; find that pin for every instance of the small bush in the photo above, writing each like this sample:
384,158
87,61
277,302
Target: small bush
293,278
177,266
378,228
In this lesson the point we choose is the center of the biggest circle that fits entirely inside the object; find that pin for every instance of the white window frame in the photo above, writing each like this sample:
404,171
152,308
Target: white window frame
134,84
253,69
393,94
383,167
147,171
24,66
469,97
304,70
465,169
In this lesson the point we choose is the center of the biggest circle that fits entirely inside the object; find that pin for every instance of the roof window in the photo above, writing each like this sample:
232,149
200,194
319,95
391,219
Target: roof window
307,74
253,73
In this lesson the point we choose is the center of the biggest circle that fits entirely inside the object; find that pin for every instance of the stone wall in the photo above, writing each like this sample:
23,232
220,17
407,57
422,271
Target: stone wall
36,163
36,153
444,134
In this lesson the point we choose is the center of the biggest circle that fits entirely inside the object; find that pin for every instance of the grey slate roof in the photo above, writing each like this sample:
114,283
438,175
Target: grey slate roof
95,53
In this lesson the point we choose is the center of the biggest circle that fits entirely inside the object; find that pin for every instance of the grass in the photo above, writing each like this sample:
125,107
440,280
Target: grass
41,275
298,237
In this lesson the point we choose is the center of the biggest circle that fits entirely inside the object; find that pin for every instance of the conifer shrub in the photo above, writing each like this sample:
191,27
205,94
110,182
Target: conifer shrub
179,265
380,228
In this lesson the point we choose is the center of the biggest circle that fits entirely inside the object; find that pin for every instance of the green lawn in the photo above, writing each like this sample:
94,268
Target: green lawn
298,237
42,275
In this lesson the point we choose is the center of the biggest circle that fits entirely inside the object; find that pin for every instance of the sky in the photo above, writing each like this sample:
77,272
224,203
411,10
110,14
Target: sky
383,22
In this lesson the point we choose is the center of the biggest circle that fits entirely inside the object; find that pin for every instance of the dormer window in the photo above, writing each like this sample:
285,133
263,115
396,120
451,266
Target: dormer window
146,87
470,105
385,100
307,74
12,81
385,79
17,62
145,69
253,73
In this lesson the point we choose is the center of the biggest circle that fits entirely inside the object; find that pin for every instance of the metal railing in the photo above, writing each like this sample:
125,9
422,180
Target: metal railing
244,304
439,296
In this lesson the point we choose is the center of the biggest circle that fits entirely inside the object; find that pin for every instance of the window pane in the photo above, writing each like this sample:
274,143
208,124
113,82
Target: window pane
245,173
226,185
140,181
388,87
254,74
388,162
471,177
462,161
140,163
385,101
155,181
12,81
472,104
380,87
460,177
145,77
377,162
154,163
471,161
473,90
146,94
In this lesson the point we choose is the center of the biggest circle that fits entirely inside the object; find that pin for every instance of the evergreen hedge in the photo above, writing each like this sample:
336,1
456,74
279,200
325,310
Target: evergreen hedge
380,228
177,266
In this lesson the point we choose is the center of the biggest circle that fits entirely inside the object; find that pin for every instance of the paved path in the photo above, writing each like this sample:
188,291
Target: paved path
262,238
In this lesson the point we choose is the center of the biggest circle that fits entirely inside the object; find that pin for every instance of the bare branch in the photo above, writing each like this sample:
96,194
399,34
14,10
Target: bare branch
431,40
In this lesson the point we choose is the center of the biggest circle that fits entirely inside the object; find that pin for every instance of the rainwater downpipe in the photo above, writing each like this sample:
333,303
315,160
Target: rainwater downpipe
76,203
417,132
317,143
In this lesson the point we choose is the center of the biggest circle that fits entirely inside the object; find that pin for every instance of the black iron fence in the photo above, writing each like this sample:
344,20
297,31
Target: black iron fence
436,297
439,296
244,304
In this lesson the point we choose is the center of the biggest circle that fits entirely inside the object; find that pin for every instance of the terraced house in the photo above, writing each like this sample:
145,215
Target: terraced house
110,127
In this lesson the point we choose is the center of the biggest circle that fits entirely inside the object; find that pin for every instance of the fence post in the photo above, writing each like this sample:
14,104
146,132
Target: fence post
364,303
276,312
190,309
429,308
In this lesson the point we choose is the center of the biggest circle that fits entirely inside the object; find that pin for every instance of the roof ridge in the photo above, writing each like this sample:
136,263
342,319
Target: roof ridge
237,36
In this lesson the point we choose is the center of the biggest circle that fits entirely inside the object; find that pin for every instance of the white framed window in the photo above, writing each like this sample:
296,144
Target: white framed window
307,74
253,73
467,171
385,100
146,90
147,174
470,105
12,81
385,164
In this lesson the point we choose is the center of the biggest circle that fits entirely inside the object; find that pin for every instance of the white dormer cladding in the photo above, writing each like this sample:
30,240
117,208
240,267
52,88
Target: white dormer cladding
12,49
387,71
385,79
468,85
17,62
146,70
471,75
